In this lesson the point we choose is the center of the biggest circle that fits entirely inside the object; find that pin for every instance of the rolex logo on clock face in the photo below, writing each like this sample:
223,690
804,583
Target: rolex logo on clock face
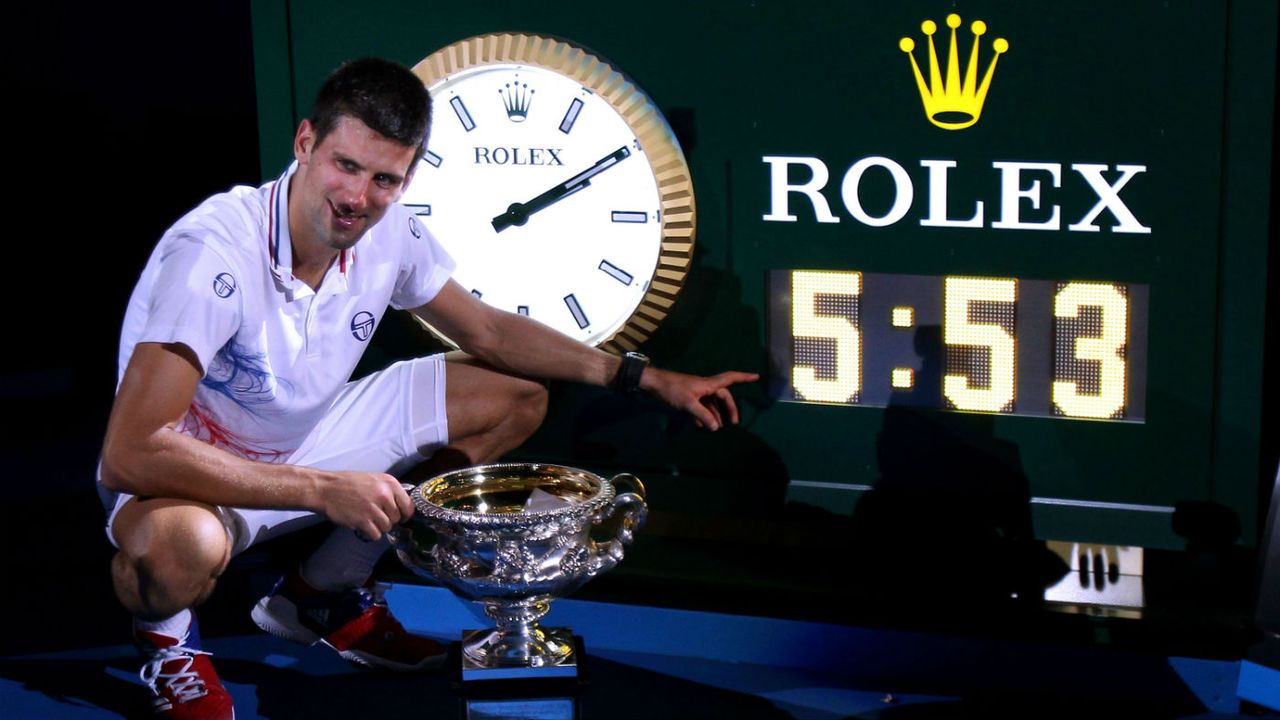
556,185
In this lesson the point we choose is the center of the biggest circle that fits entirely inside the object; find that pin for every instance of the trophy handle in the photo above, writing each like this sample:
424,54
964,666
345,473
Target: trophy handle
414,555
624,516
629,506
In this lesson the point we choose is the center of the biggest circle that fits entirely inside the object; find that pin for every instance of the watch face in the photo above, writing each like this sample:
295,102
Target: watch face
549,197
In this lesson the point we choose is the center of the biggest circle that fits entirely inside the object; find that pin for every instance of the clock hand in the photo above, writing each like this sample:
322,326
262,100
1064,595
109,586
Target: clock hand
518,213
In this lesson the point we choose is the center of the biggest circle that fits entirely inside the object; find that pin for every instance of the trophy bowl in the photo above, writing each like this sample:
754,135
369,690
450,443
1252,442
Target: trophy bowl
512,537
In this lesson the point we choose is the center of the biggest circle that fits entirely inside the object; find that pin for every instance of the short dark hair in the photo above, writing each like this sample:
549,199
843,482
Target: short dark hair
384,95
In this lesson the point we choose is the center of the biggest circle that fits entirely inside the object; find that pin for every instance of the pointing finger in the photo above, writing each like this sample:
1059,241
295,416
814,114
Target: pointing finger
732,377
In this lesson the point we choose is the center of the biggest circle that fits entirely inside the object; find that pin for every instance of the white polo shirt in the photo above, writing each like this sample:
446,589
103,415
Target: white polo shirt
274,352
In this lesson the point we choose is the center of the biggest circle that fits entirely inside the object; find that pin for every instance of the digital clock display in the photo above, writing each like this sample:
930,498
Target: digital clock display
1066,349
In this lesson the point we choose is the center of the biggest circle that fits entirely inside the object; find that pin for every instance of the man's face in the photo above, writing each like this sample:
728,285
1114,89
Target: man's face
344,184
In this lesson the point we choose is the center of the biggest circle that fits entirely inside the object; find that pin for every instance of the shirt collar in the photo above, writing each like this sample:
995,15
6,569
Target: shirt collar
280,244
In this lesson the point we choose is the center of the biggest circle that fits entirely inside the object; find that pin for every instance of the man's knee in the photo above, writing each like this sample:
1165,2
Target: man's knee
529,405
521,408
170,555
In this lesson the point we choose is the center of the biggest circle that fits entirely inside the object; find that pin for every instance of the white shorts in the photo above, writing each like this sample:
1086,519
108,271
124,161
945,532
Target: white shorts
369,427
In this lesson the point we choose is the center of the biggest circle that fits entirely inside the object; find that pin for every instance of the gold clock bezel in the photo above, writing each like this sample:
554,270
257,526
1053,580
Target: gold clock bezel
666,160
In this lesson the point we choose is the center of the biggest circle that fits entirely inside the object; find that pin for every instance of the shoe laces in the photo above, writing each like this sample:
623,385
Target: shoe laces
185,684
365,597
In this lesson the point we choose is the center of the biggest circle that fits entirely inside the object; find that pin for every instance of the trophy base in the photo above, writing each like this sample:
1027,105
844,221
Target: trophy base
493,693
566,667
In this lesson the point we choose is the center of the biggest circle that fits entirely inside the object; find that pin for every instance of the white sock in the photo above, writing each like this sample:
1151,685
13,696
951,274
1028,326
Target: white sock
342,561
175,626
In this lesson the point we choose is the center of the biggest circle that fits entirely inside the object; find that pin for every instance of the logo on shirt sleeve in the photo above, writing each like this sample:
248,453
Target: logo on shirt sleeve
414,227
224,285
362,325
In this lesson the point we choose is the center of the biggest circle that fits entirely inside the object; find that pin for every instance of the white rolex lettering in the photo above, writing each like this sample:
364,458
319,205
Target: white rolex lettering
1109,198
938,198
1012,193
903,193
780,189
1023,201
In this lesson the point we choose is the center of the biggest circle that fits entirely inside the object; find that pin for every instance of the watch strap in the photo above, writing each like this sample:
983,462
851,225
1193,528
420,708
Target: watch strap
627,381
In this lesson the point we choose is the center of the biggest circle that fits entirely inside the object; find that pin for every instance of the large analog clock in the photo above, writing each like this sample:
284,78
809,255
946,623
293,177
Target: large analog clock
556,185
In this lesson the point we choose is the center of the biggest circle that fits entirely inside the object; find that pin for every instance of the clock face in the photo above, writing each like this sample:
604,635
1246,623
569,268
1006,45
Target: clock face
550,198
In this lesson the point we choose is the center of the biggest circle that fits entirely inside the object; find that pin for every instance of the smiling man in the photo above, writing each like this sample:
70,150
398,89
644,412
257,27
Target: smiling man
234,420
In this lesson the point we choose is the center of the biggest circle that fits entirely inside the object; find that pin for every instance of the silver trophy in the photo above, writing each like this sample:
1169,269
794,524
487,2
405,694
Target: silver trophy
513,537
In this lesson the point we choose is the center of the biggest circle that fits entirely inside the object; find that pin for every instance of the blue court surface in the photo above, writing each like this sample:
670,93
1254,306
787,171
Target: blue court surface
646,662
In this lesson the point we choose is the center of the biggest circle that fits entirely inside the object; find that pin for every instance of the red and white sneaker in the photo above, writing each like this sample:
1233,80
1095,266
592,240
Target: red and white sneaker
182,678
356,622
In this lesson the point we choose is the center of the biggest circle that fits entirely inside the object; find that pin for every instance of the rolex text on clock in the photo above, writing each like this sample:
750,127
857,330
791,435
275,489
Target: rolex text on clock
556,185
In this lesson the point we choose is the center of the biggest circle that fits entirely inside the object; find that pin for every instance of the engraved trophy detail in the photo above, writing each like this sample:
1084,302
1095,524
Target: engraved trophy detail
513,537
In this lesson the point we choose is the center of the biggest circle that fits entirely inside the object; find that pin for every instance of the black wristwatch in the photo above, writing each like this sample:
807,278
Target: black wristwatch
627,380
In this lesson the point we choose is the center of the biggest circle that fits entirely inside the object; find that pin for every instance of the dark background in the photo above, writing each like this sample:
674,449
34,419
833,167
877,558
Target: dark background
119,119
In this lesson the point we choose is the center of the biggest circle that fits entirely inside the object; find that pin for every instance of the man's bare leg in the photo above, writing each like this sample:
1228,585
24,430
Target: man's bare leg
171,554
490,413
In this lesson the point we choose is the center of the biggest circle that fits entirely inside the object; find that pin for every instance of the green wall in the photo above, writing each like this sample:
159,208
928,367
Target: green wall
1183,89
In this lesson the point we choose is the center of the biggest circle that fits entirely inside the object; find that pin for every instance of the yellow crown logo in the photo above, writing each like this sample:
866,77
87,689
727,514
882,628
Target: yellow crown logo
952,105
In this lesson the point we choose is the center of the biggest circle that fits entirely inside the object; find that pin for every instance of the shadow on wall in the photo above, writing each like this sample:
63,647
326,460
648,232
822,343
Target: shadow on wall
950,515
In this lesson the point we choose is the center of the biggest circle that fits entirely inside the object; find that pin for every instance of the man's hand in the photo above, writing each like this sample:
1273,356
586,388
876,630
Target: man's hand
369,503
707,399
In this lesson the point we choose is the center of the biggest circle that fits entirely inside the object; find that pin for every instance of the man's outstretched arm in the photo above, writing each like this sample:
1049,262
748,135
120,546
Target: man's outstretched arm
143,455
522,346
